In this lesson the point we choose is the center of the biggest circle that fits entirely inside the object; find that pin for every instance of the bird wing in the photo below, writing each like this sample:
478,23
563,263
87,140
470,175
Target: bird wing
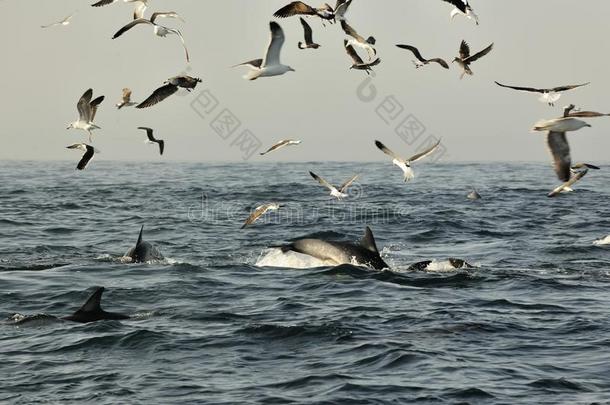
459,4
165,14
425,153
94,105
587,114
341,8
83,106
103,3
568,183
126,95
415,52
161,143
568,87
276,146
464,50
348,183
530,89
308,31
294,8
256,214
149,133
158,95
440,61
179,34
272,56
130,25
352,53
387,151
560,149
138,12
255,63
585,165
479,55
351,32
322,181
82,164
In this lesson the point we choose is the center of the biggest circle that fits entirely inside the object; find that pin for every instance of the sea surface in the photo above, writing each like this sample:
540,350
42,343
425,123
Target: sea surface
529,324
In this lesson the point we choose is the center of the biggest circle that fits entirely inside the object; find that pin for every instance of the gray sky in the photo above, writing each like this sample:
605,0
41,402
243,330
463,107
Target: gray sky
541,43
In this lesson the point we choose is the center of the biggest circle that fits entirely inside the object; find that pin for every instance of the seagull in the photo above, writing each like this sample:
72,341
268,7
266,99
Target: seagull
151,139
567,186
270,65
65,21
340,192
281,144
474,195
548,96
259,212
358,62
138,11
86,113
464,60
159,30
358,40
603,241
89,152
341,8
170,87
422,59
308,37
583,166
567,112
325,12
462,7
405,165
558,143
126,99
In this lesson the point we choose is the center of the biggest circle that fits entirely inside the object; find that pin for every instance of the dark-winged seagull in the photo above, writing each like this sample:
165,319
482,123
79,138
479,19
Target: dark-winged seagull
464,60
567,186
88,155
549,96
338,192
405,164
138,11
270,65
171,86
64,22
87,109
159,30
358,63
423,60
281,144
308,37
259,212
125,99
463,7
325,12
558,144
358,40
152,139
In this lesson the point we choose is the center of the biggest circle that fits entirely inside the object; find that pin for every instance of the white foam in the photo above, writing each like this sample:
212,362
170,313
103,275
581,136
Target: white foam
292,260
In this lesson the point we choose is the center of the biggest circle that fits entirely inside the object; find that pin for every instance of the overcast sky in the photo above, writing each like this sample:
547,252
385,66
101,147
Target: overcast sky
540,43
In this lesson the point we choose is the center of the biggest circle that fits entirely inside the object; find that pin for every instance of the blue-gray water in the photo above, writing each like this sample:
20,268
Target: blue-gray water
530,324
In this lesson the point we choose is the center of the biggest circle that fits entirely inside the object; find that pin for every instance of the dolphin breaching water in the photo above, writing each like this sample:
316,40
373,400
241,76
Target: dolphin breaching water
364,253
143,251
440,266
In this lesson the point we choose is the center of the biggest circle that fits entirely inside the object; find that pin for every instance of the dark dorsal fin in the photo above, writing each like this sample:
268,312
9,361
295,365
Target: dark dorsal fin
140,236
93,304
368,241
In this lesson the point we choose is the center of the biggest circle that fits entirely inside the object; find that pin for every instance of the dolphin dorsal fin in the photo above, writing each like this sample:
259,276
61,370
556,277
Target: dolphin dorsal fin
368,241
140,236
93,304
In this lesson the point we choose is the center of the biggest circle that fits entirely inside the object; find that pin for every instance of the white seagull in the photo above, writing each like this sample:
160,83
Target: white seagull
159,30
358,40
65,21
357,62
259,212
405,164
548,96
270,65
603,241
463,7
281,144
126,99
86,113
138,11
89,152
338,192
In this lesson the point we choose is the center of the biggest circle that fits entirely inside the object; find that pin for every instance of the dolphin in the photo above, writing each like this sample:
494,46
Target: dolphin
364,253
431,265
92,311
143,251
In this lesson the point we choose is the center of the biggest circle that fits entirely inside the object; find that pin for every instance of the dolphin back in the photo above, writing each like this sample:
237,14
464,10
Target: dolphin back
92,310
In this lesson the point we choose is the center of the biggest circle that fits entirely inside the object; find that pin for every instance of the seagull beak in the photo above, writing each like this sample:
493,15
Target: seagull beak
589,125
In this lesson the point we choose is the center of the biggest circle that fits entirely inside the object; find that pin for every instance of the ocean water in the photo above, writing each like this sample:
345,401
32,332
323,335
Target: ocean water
530,324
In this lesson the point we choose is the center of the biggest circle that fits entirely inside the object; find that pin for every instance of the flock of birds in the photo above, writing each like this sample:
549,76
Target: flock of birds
270,65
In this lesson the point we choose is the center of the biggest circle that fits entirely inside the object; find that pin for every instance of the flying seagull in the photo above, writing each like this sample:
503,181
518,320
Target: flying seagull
259,212
422,59
87,109
138,11
126,99
358,63
89,152
567,112
464,60
462,7
65,21
308,37
358,40
170,87
281,144
341,8
405,165
549,96
152,139
325,12
159,30
270,65
583,166
558,143
338,192
567,186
